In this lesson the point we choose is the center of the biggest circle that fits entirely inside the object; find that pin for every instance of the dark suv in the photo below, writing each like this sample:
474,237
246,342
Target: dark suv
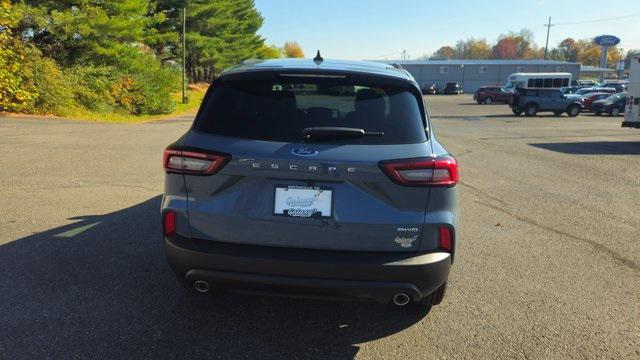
452,88
533,101
491,94
614,105
320,178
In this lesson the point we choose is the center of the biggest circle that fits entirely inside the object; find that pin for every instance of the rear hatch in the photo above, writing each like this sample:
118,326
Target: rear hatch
311,162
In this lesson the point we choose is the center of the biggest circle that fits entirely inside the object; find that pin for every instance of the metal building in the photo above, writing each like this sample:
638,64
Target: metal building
475,73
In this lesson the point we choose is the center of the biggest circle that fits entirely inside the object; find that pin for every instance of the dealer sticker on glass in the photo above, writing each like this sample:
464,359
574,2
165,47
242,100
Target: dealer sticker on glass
303,201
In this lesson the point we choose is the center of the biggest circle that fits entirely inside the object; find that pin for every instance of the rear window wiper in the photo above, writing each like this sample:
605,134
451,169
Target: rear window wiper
334,132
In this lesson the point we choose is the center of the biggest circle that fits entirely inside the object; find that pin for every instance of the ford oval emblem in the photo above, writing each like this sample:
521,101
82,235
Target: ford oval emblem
606,40
304,151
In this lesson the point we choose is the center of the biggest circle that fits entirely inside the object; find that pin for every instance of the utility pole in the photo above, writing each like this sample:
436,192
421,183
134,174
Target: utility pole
546,45
404,55
184,55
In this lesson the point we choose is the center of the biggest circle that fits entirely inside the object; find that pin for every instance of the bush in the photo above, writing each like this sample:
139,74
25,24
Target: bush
13,53
52,88
146,87
29,82
92,87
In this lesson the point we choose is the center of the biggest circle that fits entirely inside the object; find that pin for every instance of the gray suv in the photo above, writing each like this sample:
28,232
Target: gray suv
533,101
313,178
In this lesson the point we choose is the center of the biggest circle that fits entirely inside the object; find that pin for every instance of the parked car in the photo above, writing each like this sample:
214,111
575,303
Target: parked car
590,83
430,89
490,94
264,193
619,86
452,88
588,99
589,90
533,101
570,89
614,105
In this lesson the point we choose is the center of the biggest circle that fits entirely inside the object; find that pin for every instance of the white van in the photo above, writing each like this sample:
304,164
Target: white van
632,113
538,80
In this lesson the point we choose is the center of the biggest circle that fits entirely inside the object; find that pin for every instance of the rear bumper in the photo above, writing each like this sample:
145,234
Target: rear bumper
322,273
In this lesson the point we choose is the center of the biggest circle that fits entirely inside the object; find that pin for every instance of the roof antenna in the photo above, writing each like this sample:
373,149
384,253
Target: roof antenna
318,59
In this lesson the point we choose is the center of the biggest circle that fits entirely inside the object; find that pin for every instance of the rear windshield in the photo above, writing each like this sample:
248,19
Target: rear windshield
279,109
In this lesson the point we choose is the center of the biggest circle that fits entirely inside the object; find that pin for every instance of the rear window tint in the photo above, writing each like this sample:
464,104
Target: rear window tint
280,109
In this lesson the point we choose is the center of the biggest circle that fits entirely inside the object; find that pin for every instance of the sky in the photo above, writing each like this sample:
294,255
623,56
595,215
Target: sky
376,29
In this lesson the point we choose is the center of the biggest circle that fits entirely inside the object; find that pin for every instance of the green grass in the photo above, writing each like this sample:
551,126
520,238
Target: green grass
195,98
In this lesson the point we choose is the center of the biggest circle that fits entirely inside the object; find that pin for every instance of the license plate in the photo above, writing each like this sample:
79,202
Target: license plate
303,201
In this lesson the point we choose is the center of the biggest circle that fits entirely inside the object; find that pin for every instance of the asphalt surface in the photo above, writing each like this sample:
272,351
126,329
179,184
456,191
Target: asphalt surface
548,265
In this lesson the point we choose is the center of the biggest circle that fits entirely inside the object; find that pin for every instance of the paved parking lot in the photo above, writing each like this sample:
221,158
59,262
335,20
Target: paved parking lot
548,266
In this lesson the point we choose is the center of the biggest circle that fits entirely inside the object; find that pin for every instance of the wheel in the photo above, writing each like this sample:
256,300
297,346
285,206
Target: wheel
598,113
557,113
435,297
488,100
531,110
614,112
573,110
516,111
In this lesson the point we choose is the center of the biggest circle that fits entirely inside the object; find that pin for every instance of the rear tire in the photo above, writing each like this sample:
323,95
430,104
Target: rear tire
435,297
573,111
531,110
488,100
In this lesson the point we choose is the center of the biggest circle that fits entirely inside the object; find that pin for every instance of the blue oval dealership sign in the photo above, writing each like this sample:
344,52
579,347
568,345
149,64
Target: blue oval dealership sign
606,40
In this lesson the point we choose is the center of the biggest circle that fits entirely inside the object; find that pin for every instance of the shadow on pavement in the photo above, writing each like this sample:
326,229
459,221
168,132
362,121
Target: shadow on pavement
100,288
593,148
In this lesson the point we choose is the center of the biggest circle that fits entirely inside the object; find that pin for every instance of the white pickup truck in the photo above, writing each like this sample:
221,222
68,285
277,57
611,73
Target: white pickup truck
632,113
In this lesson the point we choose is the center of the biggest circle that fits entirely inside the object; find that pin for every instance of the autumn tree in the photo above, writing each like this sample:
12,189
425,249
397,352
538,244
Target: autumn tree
506,48
514,45
292,49
473,49
445,52
568,49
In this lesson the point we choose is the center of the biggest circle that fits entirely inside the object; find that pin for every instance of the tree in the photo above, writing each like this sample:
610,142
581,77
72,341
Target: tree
445,52
506,48
221,33
473,49
269,52
291,49
568,49
74,32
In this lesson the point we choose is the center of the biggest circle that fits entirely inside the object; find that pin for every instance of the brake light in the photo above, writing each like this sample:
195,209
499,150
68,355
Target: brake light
439,171
193,162
169,223
445,238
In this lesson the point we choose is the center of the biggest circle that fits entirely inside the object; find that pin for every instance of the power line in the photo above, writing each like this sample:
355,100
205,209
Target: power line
596,20
386,55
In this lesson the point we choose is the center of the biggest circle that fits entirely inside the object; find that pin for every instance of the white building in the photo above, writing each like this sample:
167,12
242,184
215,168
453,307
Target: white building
475,73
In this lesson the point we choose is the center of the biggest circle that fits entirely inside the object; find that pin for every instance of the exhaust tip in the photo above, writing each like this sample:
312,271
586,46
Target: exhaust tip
201,286
401,299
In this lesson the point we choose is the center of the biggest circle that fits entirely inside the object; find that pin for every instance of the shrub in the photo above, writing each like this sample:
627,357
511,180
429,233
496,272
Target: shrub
52,88
13,53
146,87
92,87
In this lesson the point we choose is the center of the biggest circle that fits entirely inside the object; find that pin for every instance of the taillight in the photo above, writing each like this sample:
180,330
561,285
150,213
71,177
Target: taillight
169,223
445,239
439,171
193,162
